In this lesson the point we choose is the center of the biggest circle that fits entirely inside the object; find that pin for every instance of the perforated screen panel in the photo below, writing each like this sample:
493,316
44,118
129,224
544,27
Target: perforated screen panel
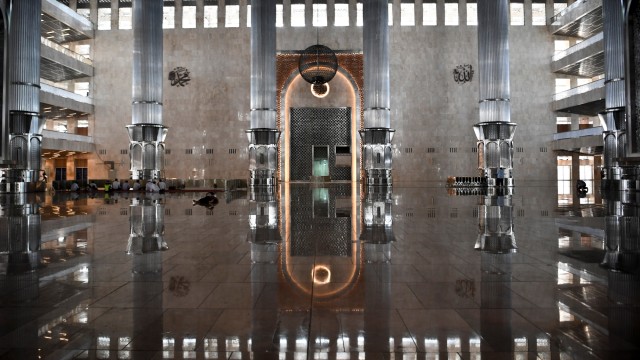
318,126
335,237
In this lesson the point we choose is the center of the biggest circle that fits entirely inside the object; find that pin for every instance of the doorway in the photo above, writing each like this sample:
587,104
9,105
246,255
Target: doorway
320,154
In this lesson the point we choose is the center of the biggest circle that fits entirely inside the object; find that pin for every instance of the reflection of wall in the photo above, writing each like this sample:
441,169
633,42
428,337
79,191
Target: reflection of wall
312,210
318,126
319,255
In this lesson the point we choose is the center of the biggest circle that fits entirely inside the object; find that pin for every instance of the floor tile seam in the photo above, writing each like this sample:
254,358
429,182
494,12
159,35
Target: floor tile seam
406,328
109,293
416,296
206,297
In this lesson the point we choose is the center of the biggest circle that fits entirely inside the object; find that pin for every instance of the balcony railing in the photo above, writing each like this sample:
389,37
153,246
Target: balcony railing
579,90
594,131
569,8
66,51
47,86
577,47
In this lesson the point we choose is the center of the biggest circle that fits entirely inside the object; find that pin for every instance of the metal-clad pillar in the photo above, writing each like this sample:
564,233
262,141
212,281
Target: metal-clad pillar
494,130
613,118
377,134
22,139
263,135
622,260
147,134
4,117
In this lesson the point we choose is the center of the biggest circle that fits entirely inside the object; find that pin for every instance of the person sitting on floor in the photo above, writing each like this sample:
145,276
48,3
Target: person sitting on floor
209,200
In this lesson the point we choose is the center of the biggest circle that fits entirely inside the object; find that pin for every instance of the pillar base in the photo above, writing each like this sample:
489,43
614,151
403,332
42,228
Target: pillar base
496,243
621,178
140,137
378,177
262,177
14,181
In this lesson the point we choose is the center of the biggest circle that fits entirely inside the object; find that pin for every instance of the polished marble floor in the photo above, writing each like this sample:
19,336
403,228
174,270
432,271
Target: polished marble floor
313,272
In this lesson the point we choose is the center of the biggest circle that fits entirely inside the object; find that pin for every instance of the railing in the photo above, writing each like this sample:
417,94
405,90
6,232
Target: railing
579,90
569,8
65,51
52,134
577,47
573,134
47,87
85,22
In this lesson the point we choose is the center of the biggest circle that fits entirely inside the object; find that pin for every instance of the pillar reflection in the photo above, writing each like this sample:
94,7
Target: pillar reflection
376,237
264,233
20,234
146,244
622,260
497,244
20,231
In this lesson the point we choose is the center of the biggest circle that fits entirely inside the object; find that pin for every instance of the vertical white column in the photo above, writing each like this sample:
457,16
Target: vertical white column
23,125
147,133
494,130
263,135
613,118
377,133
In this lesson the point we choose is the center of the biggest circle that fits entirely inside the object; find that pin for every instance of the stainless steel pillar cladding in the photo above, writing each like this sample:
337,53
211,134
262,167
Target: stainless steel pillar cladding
377,134
20,239
263,135
495,222
22,124
264,233
495,130
622,245
613,118
632,57
146,224
377,225
147,134
497,245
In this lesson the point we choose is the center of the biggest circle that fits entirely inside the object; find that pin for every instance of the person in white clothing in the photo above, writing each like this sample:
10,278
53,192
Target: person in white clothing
115,185
162,186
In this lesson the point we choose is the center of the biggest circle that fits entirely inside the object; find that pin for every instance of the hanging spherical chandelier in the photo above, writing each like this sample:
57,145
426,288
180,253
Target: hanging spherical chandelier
318,64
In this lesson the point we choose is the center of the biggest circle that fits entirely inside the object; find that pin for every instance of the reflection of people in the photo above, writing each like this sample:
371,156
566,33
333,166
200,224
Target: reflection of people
209,200
151,186
44,176
500,179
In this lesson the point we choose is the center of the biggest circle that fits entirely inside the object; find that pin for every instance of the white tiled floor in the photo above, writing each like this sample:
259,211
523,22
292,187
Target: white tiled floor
295,275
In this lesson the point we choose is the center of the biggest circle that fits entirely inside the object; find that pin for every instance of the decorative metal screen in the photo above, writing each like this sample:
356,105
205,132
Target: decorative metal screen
318,126
306,239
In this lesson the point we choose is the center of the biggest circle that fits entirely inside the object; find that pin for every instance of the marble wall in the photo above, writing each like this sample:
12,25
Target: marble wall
432,114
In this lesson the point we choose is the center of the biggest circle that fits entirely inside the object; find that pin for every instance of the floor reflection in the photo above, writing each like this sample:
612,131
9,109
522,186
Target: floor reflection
320,272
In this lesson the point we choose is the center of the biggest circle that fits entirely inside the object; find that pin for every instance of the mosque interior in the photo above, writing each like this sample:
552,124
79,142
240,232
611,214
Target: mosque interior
475,196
